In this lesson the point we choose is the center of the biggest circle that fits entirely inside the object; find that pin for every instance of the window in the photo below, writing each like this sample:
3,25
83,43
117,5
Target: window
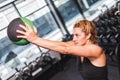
44,21
7,13
69,12
94,7
91,2
13,56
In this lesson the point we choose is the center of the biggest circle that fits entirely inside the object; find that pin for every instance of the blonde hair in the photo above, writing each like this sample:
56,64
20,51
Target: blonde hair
88,27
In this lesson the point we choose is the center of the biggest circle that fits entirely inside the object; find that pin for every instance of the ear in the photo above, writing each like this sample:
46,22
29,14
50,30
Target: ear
88,36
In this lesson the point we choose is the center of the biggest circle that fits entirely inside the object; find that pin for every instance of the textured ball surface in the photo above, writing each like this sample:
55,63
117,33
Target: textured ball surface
13,26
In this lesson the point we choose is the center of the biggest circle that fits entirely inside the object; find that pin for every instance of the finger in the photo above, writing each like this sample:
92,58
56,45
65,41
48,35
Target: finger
21,36
21,32
35,29
23,27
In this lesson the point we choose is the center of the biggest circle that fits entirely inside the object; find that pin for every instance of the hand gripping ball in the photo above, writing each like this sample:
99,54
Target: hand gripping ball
13,26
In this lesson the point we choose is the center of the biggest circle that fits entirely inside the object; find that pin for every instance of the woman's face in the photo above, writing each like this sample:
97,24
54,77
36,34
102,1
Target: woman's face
79,37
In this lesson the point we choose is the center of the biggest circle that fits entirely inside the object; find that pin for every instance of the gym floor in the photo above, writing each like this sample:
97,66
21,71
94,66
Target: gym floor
66,70
113,73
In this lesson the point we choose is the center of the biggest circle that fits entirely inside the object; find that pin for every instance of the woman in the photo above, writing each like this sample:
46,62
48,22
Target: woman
84,44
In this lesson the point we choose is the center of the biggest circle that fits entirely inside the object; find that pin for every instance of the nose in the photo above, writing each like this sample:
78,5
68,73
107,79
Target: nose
74,38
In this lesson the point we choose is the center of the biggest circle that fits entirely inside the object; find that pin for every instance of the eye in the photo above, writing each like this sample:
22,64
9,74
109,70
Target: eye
78,35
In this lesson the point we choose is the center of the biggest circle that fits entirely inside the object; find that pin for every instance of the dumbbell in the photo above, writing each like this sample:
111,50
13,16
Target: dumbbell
118,19
47,59
100,38
118,7
40,62
118,55
18,75
101,17
104,38
26,70
33,66
117,50
117,27
112,11
23,73
105,15
44,60
100,23
117,36
112,58
112,21
111,37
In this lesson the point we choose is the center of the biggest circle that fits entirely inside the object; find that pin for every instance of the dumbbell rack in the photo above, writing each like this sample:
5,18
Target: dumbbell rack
108,28
36,68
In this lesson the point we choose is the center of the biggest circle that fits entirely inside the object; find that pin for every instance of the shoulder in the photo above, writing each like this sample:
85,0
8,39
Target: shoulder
95,46
96,49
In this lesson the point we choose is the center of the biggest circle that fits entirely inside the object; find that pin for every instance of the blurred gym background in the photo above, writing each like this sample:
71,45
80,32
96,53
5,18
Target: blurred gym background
54,20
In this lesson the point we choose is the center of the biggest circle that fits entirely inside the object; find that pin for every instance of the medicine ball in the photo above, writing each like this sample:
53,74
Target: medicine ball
13,26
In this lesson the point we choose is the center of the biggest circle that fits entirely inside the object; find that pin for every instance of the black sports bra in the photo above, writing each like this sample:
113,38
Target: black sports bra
92,72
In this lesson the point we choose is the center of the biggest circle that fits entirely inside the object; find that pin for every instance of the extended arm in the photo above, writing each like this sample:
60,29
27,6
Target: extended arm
62,47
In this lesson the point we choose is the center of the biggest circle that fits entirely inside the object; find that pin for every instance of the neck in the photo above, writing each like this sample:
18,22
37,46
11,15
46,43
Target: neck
89,42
